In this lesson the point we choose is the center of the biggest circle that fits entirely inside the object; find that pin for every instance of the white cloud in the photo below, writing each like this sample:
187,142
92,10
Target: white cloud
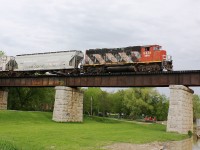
41,25
27,26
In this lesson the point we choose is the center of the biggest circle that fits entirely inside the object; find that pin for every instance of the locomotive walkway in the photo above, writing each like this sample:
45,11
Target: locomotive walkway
156,79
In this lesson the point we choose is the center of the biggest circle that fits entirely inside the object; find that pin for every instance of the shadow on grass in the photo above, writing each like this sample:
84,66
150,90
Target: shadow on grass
100,119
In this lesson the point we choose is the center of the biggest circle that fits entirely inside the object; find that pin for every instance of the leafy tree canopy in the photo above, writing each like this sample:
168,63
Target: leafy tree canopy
2,53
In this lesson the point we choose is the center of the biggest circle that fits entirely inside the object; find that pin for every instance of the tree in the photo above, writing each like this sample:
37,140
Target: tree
196,107
146,102
2,53
117,103
138,100
31,98
133,103
161,106
92,96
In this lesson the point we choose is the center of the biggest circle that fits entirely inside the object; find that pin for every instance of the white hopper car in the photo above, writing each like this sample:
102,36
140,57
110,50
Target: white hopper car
52,62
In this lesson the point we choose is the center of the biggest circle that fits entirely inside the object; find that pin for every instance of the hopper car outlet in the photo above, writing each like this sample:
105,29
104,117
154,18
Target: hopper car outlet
150,58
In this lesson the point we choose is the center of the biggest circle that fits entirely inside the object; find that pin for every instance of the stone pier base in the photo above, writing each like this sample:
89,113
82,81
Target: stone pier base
68,106
180,115
3,100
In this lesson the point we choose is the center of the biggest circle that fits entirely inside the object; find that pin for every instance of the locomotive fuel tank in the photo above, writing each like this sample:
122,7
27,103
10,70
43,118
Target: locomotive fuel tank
121,69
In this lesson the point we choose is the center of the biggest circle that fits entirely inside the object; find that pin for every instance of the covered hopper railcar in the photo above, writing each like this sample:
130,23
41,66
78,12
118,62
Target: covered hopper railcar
61,62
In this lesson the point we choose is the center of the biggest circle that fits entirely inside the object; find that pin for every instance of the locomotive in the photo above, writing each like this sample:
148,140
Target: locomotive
149,58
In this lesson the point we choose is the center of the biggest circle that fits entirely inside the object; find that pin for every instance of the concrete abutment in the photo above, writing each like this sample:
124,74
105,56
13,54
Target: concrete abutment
68,106
180,114
3,99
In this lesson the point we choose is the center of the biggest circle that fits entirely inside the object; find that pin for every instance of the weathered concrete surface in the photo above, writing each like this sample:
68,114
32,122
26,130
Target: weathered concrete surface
68,106
180,114
3,99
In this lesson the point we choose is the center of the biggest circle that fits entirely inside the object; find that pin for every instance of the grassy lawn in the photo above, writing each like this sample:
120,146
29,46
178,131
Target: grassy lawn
36,131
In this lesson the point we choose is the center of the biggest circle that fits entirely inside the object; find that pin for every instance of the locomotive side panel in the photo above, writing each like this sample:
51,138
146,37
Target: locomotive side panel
112,56
48,61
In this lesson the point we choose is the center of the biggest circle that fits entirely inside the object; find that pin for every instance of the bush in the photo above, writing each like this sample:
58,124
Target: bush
190,133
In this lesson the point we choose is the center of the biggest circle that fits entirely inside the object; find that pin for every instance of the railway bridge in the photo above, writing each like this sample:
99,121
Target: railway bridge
68,105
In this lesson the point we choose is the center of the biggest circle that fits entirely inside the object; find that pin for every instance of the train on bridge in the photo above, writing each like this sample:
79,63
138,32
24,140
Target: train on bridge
149,58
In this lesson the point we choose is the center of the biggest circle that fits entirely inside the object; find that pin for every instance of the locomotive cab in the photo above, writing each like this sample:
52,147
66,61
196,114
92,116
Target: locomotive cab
154,55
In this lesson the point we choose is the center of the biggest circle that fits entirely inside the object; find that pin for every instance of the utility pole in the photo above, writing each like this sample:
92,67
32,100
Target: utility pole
91,106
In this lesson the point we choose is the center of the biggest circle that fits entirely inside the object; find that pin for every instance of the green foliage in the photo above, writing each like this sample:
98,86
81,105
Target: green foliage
36,131
161,107
196,107
31,98
138,100
190,133
96,99
117,103
132,103
2,53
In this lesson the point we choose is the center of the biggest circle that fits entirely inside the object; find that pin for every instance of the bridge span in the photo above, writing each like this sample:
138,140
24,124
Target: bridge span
156,79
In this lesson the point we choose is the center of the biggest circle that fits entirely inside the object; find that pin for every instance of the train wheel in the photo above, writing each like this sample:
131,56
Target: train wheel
141,68
18,74
157,67
101,70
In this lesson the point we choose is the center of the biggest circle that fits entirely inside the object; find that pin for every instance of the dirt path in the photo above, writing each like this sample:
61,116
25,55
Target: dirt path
173,145
127,146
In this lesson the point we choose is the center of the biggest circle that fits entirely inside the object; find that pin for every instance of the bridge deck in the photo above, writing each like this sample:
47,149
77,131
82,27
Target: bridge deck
159,79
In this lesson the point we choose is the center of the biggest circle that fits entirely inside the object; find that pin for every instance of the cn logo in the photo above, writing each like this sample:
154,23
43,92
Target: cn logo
147,54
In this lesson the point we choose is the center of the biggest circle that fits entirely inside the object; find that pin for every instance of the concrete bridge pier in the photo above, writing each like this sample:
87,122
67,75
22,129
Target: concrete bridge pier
68,106
3,99
180,114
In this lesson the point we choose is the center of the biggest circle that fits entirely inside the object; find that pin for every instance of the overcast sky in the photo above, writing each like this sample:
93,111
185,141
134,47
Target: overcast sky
52,25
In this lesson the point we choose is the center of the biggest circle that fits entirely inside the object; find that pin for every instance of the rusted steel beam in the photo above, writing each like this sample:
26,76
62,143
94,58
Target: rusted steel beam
187,78
33,81
137,80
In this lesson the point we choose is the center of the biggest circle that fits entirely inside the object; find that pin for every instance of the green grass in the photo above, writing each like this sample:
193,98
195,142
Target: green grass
36,131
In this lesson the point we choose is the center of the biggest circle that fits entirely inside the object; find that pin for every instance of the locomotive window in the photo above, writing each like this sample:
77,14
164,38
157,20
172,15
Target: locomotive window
147,48
157,48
